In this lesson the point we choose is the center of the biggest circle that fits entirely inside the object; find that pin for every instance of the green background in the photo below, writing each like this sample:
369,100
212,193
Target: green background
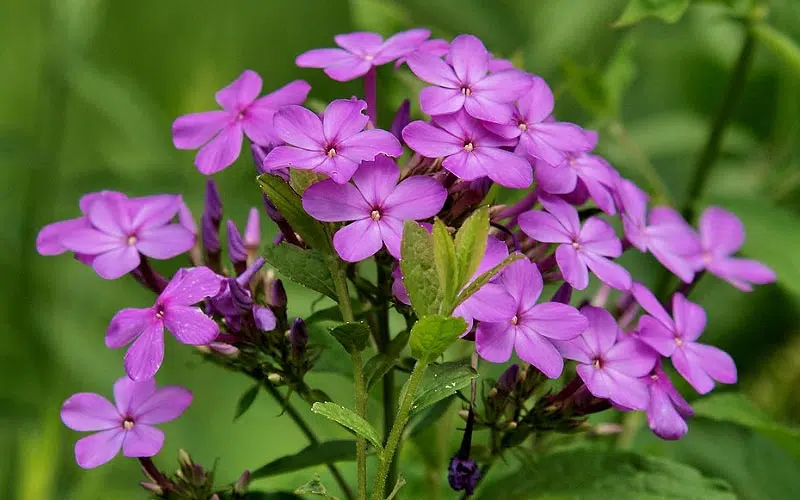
89,89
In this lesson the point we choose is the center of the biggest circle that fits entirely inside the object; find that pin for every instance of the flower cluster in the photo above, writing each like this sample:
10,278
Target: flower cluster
488,123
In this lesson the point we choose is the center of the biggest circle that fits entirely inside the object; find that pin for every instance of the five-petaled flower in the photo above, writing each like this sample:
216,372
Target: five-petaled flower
334,145
128,425
377,204
173,310
219,134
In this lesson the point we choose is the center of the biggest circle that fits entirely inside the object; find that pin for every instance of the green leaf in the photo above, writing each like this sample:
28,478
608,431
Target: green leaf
590,474
300,180
246,401
288,202
485,277
418,264
381,363
441,381
669,11
779,43
431,335
428,417
444,253
329,452
315,487
306,267
354,337
471,244
349,419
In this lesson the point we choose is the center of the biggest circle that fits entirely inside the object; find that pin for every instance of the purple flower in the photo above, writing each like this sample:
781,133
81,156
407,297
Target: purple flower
533,329
436,48
463,474
466,83
675,337
335,145
360,52
377,204
219,134
128,425
173,310
491,302
667,411
234,300
580,248
539,135
116,229
611,368
469,150
663,232
721,235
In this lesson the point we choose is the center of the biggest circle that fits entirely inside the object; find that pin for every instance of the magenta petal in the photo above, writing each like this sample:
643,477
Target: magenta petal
145,356
629,392
87,411
400,44
717,363
128,395
300,127
555,320
264,317
602,330
142,441
193,130
631,357
470,58
164,405
48,241
110,216
690,318
128,324
538,351
415,198
357,241
483,108
523,281
391,233
662,417
565,213
721,231
436,101
432,69
154,211
359,42
289,156
90,241
575,349
541,226
294,92
340,168
165,242
656,335
678,265
573,268
505,168
597,236
431,141
503,86
349,69
368,144
555,179
322,58
376,180
691,369
741,272
241,92
344,118
257,125
97,449
330,202
465,166
190,286
537,104
190,325
221,152
491,303
116,263
496,252
608,271
650,303
495,341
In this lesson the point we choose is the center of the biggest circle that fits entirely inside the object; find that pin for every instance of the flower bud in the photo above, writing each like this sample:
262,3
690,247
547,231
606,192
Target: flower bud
265,318
236,249
272,210
463,474
508,380
210,235
563,294
240,298
252,231
213,203
298,337
274,378
401,118
277,294
184,460
241,484
259,155
152,488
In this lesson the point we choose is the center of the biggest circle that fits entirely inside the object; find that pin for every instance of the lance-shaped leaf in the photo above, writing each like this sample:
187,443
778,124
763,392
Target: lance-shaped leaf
485,277
441,381
431,335
309,268
353,336
289,204
329,452
246,401
471,244
349,419
418,264
444,253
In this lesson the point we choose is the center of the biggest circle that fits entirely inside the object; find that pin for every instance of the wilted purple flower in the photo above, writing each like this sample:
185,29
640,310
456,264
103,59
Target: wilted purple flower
335,145
466,83
722,235
219,133
463,474
360,52
610,368
539,135
663,232
580,248
377,204
667,411
116,229
675,337
173,310
534,327
252,231
469,150
128,425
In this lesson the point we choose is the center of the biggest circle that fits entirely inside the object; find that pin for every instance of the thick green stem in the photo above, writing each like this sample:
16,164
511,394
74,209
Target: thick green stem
384,338
400,421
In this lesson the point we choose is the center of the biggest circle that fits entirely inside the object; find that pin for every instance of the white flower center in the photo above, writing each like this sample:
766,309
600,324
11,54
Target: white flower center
375,215
331,153
466,91
523,126
127,424
468,147
132,239
515,320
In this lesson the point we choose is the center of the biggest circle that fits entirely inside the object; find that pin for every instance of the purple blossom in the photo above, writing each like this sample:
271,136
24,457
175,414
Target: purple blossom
663,232
465,82
534,327
611,367
463,474
539,134
219,134
580,248
491,302
667,411
377,204
128,425
116,229
334,145
675,337
469,150
173,310
234,300
722,235
360,52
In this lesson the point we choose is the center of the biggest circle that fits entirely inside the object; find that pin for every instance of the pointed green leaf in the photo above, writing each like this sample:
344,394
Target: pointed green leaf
471,244
783,46
350,419
381,363
446,266
485,277
431,335
427,417
289,204
246,401
669,11
441,381
309,268
300,180
354,337
329,452
418,264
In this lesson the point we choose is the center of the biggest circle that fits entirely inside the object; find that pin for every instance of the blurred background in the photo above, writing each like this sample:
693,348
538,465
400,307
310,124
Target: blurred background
88,92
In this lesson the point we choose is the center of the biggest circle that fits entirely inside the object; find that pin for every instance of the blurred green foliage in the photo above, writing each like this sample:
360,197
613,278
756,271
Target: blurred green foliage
88,93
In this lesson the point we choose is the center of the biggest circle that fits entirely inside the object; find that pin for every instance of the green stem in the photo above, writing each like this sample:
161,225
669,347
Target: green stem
400,421
384,338
710,152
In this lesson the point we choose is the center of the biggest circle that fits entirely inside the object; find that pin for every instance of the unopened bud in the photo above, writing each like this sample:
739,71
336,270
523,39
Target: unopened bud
265,318
226,350
236,249
275,378
401,118
277,296
184,459
210,234
152,488
259,155
512,425
240,298
463,474
298,337
272,210
214,497
563,294
508,380
241,484
463,414
213,203
252,231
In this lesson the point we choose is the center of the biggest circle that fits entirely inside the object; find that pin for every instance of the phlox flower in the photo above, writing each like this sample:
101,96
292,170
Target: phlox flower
667,411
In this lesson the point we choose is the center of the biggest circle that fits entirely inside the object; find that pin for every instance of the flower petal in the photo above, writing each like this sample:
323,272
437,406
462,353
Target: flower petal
465,166
436,101
601,332
294,92
129,395
89,241
357,241
48,241
631,357
692,370
391,234
154,211
165,242
503,86
433,70
322,58
690,318
190,286
491,303
400,44
523,281
650,303
742,272
415,198
662,417
717,363
537,104
344,118
572,266
554,179
555,321
542,226
430,141
538,351
164,405
97,449
495,341
565,213
222,151
128,324
195,129
359,42
298,126
116,263
368,144
143,441
598,237
505,168
469,58
608,271
257,125
289,156
190,325
376,180
340,168
328,201
87,411
241,92
110,216
349,69
655,334
145,356
482,108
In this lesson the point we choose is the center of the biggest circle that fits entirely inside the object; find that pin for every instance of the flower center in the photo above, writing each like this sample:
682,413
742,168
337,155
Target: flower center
128,423
241,115
331,153
132,239
468,147
678,341
523,126
515,320
576,245
159,312
375,215
597,363
466,91
707,258
654,377
369,57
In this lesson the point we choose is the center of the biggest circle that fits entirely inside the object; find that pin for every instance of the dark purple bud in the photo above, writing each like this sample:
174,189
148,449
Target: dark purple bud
298,336
240,298
463,474
210,231
563,294
277,296
259,155
213,204
236,249
272,211
508,379
401,118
